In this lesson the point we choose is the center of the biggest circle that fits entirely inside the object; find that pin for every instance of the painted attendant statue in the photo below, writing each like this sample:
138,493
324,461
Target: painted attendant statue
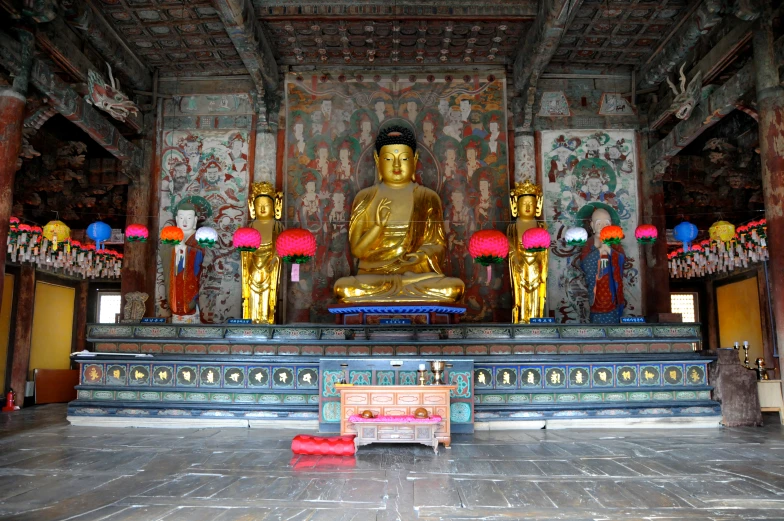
396,231
182,267
527,270
261,268
602,266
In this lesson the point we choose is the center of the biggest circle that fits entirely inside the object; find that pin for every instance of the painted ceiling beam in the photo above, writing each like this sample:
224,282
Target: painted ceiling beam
539,46
72,105
720,55
86,21
253,46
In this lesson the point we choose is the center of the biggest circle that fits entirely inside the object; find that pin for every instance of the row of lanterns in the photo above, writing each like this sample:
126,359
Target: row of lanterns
727,249
51,247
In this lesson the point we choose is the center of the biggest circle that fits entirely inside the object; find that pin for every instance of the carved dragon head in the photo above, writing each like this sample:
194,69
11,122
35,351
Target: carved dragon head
688,97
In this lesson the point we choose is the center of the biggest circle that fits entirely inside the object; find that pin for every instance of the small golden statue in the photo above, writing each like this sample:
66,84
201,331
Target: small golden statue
261,268
397,233
527,270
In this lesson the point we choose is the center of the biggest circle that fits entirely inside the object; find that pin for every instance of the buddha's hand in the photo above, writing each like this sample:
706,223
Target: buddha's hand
605,250
383,212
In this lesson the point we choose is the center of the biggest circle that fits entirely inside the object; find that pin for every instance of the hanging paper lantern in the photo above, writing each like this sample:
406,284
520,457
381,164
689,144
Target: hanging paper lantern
56,232
722,231
576,236
488,247
172,235
136,233
611,235
99,232
247,239
646,234
296,245
685,232
206,237
536,239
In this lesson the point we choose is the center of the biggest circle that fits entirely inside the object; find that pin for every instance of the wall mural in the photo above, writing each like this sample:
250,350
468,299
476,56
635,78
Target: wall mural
578,167
331,125
210,169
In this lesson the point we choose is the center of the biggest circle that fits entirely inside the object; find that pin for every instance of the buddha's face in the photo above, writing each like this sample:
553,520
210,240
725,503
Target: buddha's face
265,208
526,206
396,164
186,220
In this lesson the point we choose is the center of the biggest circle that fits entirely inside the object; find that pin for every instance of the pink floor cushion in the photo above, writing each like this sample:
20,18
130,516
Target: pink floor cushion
320,446
356,418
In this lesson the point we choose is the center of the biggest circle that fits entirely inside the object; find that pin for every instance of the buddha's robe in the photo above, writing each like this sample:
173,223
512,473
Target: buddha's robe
604,283
528,274
404,263
182,276
261,279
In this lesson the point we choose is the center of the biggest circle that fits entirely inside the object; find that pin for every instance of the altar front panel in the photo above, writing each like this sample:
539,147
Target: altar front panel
569,158
455,116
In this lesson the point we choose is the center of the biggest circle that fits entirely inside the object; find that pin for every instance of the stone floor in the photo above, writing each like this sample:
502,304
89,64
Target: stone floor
50,470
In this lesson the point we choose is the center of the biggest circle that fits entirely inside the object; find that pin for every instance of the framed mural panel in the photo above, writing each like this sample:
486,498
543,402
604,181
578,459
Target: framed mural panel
331,127
210,169
579,167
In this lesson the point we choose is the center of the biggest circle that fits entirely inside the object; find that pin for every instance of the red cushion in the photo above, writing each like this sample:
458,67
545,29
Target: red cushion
314,445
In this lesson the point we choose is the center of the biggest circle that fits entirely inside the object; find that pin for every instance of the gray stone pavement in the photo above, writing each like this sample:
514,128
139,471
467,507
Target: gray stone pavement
50,470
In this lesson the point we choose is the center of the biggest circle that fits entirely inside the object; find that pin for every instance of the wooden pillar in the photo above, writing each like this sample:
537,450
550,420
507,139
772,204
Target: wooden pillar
711,317
133,276
770,103
653,262
12,106
80,316
23,330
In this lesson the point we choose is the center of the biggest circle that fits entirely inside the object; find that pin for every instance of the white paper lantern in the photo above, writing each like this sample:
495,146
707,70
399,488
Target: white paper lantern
206,237
576,236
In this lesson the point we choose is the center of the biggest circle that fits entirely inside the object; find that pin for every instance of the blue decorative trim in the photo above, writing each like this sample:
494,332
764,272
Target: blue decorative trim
379,310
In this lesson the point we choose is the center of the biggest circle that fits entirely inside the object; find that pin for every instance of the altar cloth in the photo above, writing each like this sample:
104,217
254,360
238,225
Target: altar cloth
356,418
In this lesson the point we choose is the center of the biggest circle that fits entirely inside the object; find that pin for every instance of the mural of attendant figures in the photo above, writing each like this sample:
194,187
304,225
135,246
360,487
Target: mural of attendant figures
261,268
343,177
410,107
563,158
475,126
310,207
239,159
595,178
364,125
464,102
318,152
443,108
454,124
475,149
297,151
495,138
486,204
178,183
326,117
182,269
379,101
453,174
594,143
191,146
602,266
338,262
459,225
429,124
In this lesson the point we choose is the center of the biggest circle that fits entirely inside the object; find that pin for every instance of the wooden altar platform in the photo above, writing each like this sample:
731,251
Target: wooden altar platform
507,376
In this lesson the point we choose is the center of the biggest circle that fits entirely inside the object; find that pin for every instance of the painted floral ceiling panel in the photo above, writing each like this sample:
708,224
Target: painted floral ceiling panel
178,37
618,32
396,42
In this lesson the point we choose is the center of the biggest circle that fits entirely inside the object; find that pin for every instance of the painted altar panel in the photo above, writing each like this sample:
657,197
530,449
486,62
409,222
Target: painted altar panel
569,159
211,168
331,126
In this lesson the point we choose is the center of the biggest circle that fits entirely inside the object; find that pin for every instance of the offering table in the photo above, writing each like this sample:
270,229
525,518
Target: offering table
397,400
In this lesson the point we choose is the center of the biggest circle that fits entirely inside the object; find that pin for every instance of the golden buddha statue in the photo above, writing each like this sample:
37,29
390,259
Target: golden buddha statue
261,268
527,270
397,233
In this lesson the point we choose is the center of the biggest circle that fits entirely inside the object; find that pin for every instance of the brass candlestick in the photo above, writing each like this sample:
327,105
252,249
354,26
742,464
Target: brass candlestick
746,354
437,366
422,376
762,372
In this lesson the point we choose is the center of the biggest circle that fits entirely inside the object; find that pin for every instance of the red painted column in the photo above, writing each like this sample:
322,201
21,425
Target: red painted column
653,258
12,105
770,102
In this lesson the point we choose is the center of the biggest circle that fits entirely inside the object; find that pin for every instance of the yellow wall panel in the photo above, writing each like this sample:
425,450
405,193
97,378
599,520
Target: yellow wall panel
739,316
5,325
52,327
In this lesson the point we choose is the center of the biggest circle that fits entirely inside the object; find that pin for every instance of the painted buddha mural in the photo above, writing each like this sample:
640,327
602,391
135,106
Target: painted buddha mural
397,233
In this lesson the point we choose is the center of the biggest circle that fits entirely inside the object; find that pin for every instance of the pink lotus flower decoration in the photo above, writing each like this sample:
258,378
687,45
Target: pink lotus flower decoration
247,239
646,234
137,233
536,239
296,245
488,247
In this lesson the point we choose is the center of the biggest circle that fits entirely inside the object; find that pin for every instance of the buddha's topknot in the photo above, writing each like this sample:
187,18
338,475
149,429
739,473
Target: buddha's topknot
395,135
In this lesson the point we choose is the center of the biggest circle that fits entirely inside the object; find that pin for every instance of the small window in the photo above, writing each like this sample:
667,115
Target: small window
109,307
686,304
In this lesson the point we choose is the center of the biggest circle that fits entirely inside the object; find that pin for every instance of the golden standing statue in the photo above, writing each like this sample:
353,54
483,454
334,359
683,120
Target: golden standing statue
527,270
261,268
397,233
